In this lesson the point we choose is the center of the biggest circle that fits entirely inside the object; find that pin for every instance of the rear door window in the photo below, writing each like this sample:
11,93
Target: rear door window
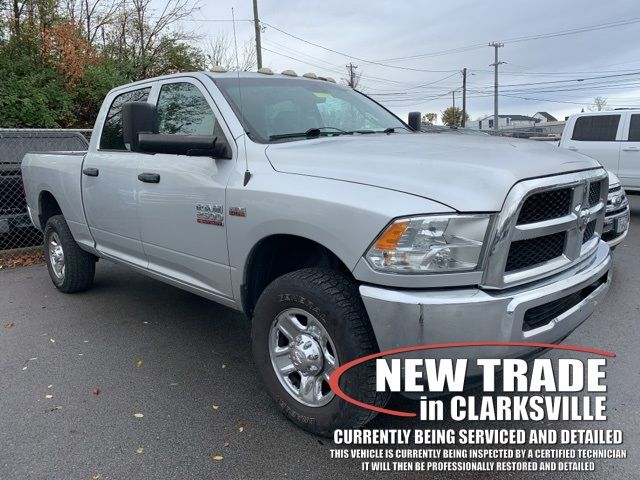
634,128
111,137
596,128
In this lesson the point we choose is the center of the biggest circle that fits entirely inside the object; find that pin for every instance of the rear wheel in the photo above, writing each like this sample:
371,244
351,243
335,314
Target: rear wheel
306,324
71,269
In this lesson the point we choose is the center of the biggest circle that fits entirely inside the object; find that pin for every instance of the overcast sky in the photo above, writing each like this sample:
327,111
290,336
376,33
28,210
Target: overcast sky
383,31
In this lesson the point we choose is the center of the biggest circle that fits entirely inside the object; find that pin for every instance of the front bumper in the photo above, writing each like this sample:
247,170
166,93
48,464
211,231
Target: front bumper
402,318
610,231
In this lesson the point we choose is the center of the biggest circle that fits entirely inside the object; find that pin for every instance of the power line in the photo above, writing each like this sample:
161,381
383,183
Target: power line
352,56
560,33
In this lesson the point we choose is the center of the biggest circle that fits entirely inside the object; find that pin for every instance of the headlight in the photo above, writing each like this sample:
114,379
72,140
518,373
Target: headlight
432,244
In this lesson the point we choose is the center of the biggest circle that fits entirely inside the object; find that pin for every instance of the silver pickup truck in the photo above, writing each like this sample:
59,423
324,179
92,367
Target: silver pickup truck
337,229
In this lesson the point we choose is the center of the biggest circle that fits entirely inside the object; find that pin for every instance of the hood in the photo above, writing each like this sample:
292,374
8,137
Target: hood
469,173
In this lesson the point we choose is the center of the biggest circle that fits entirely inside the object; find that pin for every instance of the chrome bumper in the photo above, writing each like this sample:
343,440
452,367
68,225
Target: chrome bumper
402,318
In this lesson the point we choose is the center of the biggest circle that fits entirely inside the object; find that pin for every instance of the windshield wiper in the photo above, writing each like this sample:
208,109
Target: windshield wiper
311,133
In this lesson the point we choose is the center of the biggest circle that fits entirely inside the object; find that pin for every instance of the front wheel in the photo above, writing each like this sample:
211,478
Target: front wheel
306,324
71,269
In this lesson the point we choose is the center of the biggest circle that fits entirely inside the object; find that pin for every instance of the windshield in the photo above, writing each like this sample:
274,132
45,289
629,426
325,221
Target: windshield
287,109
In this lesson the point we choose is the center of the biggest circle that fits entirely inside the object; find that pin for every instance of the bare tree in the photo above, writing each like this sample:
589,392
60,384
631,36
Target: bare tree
429,118
599,104
91,15
220,51
142,35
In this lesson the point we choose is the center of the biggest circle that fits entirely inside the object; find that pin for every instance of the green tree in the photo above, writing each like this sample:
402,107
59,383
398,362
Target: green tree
452,116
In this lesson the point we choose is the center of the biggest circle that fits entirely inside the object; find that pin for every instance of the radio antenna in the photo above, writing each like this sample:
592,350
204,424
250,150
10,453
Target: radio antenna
247,173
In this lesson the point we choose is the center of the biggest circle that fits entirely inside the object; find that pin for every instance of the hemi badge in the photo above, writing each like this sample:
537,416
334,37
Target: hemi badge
238,211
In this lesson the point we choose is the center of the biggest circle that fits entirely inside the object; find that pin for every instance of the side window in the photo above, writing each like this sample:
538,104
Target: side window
111,138
596,128
183,110
634,128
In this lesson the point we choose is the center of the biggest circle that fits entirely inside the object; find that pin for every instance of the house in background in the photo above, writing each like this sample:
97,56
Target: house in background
504,122
544,117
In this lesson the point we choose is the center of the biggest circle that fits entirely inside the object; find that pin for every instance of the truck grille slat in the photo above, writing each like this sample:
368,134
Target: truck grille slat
589,231
526,253
545,206
594,193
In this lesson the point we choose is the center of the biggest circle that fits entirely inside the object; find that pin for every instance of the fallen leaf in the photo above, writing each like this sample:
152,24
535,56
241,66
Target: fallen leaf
140,450
9,325
96,391
50,386
241,429
97,476
218,458
216,407
224,366
48,396
226,444
138,415
52,409
139,363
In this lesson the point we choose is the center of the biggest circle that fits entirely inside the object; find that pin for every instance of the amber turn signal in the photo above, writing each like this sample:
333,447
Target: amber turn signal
390,238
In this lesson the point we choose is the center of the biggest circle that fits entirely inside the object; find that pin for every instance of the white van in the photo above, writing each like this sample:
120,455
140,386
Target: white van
613,138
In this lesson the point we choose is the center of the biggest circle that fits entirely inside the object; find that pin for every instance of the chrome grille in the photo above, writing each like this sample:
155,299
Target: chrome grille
525,253
545,206
546,225
594,193
589,231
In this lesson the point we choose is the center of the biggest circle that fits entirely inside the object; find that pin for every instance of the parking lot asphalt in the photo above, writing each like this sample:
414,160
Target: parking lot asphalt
77,371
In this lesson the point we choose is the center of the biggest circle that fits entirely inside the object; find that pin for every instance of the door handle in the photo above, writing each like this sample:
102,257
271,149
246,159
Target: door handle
575,149
149,177
91,172
631,149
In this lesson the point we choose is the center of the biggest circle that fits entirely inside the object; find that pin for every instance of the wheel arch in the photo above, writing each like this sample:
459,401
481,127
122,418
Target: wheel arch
48,206
279,254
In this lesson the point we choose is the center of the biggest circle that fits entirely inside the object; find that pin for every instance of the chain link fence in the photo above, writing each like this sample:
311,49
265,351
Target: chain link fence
20,242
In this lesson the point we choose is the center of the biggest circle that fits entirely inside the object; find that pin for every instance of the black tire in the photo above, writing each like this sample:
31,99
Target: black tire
79,266
334,300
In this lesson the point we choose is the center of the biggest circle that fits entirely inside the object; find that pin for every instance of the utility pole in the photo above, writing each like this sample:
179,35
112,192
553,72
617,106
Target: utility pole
496,46
352,74
464,96
256,24
454,99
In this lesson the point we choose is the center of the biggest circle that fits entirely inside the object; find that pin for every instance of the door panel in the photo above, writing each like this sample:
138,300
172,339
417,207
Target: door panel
109,186
182,217
629,173
111,206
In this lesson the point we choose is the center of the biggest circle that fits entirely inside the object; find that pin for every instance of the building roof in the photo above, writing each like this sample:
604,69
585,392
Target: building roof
548,116
512,117
518,117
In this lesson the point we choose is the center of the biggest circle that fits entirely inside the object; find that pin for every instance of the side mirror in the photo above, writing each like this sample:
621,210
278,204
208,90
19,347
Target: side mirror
193,145
415,121
137,117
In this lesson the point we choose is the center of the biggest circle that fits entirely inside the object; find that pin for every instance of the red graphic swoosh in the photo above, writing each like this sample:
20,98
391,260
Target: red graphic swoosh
334,380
